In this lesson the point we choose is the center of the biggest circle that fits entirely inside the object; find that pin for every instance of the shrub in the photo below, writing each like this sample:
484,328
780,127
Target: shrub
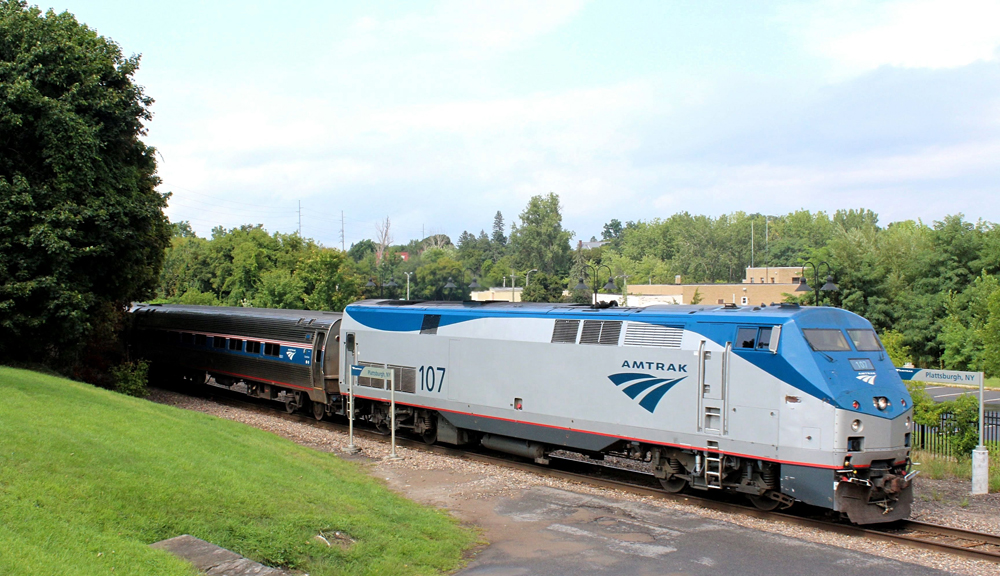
131,377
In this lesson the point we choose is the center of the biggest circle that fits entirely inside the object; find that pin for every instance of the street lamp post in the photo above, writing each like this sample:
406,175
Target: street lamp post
513,285
828,287
527,277
597,270
382,284
449,286
407,284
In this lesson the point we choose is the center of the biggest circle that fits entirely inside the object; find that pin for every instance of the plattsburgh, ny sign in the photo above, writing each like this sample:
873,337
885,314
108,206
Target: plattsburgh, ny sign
941,376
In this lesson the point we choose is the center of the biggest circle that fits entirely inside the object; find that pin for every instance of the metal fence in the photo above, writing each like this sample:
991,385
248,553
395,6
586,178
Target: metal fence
937,439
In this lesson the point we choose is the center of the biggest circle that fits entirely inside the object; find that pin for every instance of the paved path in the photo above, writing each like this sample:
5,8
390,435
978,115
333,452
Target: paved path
944,393
581,535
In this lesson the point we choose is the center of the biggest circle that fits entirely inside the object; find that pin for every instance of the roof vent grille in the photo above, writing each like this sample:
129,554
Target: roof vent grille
601,332
565,331
643,334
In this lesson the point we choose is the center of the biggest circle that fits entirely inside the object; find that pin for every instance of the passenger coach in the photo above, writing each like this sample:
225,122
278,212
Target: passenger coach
781,403
278,354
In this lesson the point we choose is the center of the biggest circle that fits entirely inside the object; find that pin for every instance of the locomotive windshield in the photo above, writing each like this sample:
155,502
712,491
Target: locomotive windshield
865,340
826,340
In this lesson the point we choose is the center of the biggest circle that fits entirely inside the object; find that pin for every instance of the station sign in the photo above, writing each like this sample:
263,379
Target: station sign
941,376
371,372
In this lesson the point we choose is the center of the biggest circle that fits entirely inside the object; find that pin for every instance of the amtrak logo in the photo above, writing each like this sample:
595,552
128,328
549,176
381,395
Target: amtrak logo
867,378
649,387
290,353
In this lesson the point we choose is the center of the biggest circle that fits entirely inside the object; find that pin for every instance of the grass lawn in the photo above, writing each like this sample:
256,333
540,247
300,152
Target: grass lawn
89,478
992,383
942,467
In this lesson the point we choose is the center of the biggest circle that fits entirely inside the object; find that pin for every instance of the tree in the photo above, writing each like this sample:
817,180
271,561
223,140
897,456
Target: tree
498,239
358,251
543,288
540,241
612,230
82,229
383,238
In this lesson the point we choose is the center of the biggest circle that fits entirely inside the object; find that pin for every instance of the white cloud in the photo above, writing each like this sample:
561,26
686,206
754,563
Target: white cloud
861,36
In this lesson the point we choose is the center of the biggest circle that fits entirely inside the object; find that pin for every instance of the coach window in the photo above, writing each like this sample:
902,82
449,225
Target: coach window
187,338
253,347
746,338
235,344
218,342
200,340
272,349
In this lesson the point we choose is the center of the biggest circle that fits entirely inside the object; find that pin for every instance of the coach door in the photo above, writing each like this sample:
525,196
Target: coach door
713,377
319,343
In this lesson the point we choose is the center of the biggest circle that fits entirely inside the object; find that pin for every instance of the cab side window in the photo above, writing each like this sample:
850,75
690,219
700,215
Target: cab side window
746,338
753,338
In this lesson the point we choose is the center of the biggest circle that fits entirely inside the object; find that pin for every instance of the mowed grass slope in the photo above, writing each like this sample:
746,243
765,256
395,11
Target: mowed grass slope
89,478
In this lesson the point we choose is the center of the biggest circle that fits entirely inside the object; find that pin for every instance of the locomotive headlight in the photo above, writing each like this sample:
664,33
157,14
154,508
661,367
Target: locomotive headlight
856,426
881,402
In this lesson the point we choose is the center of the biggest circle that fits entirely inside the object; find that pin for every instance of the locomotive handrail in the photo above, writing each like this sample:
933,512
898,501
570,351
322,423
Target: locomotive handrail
701,383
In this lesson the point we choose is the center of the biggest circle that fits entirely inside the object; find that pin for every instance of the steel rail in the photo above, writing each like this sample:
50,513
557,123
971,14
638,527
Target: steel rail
913,533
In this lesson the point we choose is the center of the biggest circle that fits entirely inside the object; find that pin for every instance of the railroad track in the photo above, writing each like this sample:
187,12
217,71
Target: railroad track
954,541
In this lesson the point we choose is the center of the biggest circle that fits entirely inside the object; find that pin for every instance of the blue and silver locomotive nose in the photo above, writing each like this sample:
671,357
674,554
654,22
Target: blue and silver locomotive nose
872,421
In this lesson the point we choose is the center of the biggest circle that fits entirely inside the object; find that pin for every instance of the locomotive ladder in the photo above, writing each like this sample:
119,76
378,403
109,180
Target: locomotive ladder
713,467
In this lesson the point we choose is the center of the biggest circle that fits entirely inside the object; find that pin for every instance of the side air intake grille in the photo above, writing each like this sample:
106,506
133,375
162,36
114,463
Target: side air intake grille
601,332
430,324
565,331
642,334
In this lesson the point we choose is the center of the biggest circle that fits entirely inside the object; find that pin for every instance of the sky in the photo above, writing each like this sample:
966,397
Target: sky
439,114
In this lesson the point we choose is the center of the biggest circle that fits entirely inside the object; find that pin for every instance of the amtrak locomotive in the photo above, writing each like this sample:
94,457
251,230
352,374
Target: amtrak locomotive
781,403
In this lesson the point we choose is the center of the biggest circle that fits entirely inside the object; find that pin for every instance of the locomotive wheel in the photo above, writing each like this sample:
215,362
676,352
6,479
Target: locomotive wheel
290,406
673,484
319,410
429,436
763,502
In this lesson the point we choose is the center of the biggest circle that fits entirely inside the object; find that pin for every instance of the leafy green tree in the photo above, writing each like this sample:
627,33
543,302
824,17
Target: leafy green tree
540,241
279,288
82,230
898,352
432,276
991,336
194,297
612,230
358,251
329,283
543,288
498,240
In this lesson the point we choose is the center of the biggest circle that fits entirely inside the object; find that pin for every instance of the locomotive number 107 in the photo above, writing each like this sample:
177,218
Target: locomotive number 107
429,377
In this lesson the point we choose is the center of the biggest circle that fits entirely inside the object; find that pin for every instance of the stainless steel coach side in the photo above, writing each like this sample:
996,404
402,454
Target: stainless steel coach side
284,355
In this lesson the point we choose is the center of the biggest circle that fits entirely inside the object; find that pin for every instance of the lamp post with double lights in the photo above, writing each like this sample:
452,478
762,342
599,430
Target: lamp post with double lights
382,284
449,286
829,286
597,270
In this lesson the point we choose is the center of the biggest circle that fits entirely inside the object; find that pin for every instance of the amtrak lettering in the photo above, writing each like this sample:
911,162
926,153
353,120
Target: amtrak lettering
636,364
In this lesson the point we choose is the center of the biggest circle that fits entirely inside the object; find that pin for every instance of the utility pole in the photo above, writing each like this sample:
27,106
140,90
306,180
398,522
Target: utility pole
342,244
751,243
300,217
